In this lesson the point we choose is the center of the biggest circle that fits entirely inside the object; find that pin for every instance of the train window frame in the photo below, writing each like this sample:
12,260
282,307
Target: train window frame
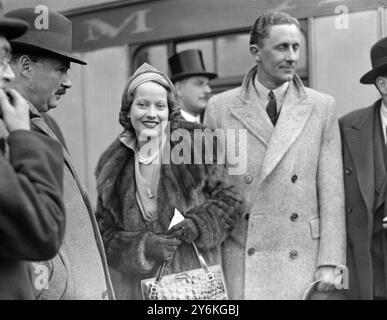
219,84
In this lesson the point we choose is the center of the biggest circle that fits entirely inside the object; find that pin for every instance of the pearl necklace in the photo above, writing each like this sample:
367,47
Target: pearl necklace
146,160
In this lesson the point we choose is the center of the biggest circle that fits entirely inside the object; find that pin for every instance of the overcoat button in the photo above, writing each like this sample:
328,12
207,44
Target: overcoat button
293,254
251,251
348,170
247,216
349,208
248,179
294,216
294,179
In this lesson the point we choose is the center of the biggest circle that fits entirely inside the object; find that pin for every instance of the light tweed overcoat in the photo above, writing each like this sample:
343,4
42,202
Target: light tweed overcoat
295,219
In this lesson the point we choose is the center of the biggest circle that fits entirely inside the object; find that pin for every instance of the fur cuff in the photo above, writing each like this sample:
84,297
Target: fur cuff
137,259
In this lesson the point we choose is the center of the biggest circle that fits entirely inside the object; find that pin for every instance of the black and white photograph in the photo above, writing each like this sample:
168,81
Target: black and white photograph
211,151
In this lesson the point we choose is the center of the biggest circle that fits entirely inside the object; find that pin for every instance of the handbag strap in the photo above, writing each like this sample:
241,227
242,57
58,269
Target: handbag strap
160,271
203,264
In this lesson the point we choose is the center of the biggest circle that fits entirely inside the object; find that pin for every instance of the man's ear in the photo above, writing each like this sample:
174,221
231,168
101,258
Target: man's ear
381,84
24,66
255,52
178,85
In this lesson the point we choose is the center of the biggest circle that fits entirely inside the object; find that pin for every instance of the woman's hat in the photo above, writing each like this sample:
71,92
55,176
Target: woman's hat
143,74
55,38
378,60
11,28
188,63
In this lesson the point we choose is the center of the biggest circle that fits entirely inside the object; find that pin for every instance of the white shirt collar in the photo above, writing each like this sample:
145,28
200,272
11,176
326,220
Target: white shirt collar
189,117
383,117
383,111
263,92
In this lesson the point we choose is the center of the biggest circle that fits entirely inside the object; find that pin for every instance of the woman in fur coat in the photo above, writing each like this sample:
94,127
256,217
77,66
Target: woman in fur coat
147,173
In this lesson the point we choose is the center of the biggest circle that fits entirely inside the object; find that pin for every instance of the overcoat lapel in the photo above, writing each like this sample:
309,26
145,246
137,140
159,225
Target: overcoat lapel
250,113
359,138
379,162
294,115
256,124
40,123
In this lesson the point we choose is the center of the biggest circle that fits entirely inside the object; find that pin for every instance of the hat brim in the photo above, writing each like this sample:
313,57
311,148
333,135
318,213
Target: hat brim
16,45
370,76
12,28
181,76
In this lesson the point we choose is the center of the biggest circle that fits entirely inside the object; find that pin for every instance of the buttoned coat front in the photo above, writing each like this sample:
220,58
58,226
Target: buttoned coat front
293,187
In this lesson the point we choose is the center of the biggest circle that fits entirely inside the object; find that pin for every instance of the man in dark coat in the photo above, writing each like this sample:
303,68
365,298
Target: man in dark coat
40,61
32,218
365,162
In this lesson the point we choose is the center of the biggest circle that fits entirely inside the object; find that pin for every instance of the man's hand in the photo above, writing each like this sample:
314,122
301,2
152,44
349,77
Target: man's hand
16,116
327,277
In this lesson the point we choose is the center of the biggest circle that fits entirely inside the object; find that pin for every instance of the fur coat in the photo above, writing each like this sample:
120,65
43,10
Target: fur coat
197,191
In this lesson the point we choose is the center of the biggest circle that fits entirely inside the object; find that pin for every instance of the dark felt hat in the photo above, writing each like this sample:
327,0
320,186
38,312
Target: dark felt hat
188,63
11,28
378,60
55,38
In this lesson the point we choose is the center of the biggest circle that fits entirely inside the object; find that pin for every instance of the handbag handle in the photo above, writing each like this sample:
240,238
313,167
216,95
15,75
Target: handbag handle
160,271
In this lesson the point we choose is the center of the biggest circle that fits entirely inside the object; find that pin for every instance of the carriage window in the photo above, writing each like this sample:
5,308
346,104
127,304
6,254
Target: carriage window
227,55
233,56
302,66
155,55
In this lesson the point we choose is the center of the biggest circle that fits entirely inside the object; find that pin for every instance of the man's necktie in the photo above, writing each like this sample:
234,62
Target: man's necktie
271,108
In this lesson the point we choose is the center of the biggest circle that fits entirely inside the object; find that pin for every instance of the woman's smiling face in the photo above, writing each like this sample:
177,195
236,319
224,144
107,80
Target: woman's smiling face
149,111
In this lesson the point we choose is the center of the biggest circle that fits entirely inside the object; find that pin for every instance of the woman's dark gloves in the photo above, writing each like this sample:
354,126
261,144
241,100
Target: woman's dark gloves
185,230
161,248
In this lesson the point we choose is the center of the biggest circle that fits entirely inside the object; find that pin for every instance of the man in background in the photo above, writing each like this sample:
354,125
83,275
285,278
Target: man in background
363,134
32,217
191,80
40,61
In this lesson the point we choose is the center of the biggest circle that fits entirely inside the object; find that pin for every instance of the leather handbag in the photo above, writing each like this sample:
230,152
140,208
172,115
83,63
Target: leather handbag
204,283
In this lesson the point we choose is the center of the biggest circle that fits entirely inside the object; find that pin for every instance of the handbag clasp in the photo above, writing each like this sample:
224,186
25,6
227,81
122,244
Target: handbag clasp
210,276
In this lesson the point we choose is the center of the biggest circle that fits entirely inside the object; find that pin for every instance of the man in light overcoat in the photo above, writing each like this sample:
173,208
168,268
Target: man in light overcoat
293,232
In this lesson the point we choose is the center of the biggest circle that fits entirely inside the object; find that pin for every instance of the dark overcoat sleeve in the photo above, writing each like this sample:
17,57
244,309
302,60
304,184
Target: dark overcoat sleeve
32,214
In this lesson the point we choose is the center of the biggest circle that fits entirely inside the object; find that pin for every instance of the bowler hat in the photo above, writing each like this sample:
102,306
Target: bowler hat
188,63
55,37
11,28
378,60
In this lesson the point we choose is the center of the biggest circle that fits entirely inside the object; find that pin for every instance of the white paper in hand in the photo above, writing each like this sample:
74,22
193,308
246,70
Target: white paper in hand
177,218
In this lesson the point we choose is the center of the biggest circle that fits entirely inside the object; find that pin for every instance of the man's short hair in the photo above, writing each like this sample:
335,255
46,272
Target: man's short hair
35,55
260,29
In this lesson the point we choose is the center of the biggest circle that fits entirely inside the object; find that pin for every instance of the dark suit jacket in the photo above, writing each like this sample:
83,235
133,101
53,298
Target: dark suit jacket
361,187
32,217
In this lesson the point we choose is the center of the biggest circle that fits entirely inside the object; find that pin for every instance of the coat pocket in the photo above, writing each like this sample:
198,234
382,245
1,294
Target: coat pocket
315,228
